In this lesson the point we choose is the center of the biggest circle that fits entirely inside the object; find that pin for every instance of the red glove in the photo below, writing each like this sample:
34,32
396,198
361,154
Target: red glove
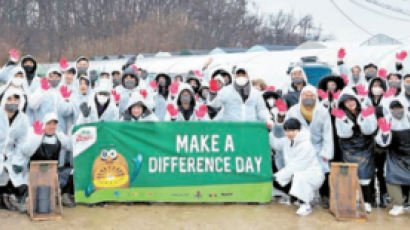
401,55
14,55
322,94
172,110
64,92
341,53
390,92
213,86
384,125
361,90
382,73
324,159
201,111
345,79
44,83
116,96
38,128
281,105
63,64
336,94
143,93
153,84
368,111
173,88
338,113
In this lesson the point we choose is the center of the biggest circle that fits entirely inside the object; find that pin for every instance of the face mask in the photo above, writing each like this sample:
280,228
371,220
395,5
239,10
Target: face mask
308,102
377,91
371,74
241,81
54,82
9,107
81,70
297,80
116,82
397,114
395,84
102,99
356,77
407,88
185,99
205,93
162,83
17,81
129,84
28,68
331,88
271,102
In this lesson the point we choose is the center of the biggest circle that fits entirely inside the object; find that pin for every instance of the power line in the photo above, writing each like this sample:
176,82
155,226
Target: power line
379,13
350,19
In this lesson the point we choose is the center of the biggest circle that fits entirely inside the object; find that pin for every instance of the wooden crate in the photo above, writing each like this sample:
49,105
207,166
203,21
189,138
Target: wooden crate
44,173
346,199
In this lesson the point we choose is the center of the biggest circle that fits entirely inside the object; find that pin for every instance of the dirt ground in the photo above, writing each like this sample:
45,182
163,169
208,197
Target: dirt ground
205,216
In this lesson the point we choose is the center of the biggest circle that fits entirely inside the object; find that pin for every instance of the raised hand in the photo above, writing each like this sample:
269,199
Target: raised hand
341,53
368,111
38,128
45,84
281,105
116,96
172,110
201,111
64,92
384,125
338,113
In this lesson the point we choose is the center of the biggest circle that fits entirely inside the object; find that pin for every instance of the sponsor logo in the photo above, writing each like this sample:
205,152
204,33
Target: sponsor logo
226,194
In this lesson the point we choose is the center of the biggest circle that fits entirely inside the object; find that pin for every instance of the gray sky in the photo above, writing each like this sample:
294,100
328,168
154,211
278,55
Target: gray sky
365,18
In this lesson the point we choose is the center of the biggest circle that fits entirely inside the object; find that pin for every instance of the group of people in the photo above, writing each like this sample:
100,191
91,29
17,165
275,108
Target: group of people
357,116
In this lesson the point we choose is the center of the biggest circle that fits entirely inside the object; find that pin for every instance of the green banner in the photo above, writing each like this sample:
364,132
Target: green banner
172,162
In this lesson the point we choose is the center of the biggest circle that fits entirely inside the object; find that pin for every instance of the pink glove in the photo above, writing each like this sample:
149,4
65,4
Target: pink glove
361,90
45,85
382,73
64,92
201,111
172,110
341,53
384,125
401,55
281,105
345,79
270,88
143,93
322,94
63,64
14,55
338,113
213,86
116,96
153,84
38,128
336,94
173,88
368,111
198,73
134,67
390,92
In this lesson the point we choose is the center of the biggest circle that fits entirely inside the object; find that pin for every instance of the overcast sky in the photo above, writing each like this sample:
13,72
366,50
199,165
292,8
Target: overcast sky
372,18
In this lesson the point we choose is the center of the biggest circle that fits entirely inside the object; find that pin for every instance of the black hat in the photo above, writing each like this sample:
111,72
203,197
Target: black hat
322,84
369,66
292,124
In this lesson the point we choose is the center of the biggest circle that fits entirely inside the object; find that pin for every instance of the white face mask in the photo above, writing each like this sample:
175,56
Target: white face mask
377,91
17,81
271,102
102,99
241,81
